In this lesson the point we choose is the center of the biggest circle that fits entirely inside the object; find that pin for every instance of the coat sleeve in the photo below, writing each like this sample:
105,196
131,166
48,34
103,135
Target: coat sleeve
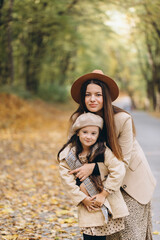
69,183
125,138
116,171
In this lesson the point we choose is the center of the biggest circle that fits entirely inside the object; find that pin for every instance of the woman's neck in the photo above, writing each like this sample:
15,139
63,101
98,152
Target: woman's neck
100,113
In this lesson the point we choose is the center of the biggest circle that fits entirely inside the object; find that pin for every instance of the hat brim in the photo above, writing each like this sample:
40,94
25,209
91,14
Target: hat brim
76,87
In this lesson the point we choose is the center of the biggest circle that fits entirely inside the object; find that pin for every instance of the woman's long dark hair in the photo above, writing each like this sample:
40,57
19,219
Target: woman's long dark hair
108,111
94,156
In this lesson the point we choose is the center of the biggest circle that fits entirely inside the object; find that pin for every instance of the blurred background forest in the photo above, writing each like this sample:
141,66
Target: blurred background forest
46,44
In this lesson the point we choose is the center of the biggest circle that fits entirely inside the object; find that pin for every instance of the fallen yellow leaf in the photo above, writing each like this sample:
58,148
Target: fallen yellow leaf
10,237
156,233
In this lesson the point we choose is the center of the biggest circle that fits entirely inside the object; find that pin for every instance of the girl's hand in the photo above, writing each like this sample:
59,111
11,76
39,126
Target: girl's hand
83,172
89,204
100,198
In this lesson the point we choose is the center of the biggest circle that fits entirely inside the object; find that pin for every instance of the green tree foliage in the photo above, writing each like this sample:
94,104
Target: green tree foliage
46,38
151,29
146,37
47,44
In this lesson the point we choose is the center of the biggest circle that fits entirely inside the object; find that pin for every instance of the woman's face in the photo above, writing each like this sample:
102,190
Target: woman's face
94,98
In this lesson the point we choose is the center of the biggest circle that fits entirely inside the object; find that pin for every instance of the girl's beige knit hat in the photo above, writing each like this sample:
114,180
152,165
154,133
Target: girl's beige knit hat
87,119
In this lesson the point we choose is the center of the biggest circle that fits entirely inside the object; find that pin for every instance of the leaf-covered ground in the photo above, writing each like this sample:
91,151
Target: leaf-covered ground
33,202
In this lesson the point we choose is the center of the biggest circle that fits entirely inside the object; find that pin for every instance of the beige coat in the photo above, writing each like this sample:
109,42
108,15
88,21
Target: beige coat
139,181
114,201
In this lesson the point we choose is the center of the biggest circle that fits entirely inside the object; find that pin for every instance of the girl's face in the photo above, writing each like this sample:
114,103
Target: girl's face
88,136
94,98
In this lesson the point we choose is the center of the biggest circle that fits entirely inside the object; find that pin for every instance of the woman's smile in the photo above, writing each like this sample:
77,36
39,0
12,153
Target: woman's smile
93,105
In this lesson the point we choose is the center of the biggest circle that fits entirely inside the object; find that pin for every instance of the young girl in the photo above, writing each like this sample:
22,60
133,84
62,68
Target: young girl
87,145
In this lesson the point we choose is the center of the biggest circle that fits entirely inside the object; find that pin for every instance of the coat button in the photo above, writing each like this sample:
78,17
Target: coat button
124,186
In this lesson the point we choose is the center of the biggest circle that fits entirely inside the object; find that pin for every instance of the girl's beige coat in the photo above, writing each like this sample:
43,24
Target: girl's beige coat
115,202
139,181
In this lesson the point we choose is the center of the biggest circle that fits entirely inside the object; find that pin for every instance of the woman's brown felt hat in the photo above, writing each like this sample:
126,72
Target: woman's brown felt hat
96,74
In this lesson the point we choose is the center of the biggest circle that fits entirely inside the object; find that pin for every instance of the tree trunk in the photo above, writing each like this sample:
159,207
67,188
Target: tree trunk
3,49
33,59
64,64
151,93
10,39
31,77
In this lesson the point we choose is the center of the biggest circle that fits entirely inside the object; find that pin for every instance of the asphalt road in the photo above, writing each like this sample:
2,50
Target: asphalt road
148,135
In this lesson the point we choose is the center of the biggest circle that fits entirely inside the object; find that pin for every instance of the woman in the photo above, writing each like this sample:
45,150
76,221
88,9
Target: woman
94,92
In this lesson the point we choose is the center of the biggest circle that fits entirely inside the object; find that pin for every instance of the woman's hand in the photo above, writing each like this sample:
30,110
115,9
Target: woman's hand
89,204
100,198
84,171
